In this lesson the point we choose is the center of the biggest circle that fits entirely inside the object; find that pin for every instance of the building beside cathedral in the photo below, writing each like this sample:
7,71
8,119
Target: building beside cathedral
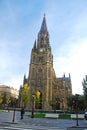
42,78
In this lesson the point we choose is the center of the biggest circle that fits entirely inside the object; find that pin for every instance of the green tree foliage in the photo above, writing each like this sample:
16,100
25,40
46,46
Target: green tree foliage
81,103
8,99
1,98
84,83
73,101
25,96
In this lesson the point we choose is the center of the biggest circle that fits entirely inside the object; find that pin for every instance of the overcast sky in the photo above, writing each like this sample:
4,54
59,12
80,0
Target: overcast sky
20,22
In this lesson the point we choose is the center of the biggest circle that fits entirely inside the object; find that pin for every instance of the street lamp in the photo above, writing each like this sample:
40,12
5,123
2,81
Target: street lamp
14,110
13,116
77,96
32,114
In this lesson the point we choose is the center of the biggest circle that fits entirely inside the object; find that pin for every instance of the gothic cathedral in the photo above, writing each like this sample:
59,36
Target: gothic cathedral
42,79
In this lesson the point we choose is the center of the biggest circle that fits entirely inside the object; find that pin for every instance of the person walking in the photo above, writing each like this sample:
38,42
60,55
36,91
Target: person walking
22,113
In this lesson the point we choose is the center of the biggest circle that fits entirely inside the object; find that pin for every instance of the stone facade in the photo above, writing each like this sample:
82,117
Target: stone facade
42,76
10,90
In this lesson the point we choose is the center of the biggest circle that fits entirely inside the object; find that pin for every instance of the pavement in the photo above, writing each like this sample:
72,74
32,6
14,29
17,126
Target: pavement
27,123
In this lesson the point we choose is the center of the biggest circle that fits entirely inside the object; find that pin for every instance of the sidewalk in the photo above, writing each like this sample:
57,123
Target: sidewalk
6,118
27,123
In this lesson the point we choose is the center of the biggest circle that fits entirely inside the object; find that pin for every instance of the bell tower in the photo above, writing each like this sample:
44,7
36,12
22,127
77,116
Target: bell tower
41,70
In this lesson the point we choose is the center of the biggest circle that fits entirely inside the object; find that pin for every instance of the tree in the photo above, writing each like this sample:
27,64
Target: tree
72,102
82,103
38,99
8,99
84,83
1,98
25,96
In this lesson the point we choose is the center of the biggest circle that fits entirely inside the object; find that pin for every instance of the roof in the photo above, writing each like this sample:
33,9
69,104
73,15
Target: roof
4,86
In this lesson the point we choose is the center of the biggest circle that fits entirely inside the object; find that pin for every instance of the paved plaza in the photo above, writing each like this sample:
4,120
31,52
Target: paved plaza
6,122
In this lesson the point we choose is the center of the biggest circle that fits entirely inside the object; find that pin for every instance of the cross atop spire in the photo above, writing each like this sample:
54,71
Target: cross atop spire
43,26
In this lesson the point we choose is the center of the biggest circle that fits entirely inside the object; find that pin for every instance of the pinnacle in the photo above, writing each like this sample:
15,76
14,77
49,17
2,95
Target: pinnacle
43,26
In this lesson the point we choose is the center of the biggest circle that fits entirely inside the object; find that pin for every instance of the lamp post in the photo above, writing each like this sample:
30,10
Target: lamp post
13,116
32,114
77,96
14,110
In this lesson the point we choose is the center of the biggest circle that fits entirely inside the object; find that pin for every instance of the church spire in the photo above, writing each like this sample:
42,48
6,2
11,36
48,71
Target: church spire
43,36
34,45
43,26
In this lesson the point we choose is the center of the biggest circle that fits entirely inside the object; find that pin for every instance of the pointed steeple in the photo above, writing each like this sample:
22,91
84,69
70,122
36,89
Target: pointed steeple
43,26
25,80
69,76
34,45
43,36
64,75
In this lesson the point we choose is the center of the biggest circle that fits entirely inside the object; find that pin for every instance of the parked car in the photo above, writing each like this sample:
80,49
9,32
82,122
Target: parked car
85,115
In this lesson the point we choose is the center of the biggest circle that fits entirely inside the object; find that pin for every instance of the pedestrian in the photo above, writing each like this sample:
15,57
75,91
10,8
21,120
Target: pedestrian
22,113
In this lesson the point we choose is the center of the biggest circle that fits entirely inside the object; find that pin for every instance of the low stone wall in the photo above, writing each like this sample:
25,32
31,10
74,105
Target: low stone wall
80,116
77,128
49,115
73,116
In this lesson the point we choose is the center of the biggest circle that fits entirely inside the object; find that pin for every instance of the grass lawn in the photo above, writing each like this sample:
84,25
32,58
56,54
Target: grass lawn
43,115
64,116
40,115
1,110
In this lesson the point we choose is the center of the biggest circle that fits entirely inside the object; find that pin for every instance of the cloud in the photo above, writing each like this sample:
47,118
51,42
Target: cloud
16,82
74,62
